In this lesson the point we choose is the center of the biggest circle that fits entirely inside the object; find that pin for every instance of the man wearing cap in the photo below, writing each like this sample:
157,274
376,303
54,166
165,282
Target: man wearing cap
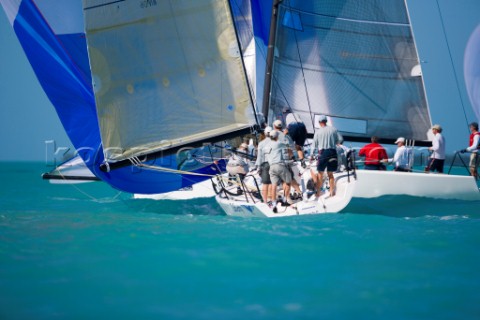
282,137
325,142
264,148
288,150
401,158
238,164
474,148
437,159
278,167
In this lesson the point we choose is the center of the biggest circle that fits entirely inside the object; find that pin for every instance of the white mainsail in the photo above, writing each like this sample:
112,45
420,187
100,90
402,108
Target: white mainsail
351,60
165,73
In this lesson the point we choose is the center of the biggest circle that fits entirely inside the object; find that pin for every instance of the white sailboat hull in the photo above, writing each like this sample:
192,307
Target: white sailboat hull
239,207
372,184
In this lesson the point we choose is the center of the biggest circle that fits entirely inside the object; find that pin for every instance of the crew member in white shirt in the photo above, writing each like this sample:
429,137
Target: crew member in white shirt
401,159
437,159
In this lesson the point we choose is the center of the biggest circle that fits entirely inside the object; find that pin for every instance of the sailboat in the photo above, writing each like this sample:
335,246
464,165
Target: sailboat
148,91
72,171
357,63
142,91
170,83
283,87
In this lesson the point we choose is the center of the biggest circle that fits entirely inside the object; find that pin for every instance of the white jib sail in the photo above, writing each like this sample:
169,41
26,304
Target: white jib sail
165,73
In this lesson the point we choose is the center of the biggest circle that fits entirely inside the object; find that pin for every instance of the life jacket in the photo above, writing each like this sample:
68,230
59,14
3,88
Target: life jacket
472,136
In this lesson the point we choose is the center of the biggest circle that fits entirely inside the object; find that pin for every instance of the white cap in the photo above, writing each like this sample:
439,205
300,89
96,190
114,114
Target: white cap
277,123
401,139
322,118
268,129
274,134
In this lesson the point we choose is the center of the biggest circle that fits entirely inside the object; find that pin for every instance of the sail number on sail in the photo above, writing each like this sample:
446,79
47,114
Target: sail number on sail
148,3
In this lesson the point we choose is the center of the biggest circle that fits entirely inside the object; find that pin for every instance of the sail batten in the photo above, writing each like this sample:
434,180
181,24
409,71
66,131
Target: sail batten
165,72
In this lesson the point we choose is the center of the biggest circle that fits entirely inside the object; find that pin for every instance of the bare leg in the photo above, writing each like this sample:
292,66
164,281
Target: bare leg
314,176
319,183
296,186
287,192
273,190
331,180
265,192
474,165
473,172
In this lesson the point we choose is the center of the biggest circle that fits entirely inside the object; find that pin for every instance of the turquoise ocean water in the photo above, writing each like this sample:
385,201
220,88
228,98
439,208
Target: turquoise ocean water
90,252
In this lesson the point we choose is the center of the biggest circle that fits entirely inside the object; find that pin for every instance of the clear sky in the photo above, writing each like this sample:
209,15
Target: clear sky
27,119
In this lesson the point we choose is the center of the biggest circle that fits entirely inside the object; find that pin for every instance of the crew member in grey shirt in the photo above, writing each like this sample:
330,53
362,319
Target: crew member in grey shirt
325,143
264,150
278,168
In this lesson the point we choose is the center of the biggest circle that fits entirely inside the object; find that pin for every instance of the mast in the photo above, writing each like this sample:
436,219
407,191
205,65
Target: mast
270,57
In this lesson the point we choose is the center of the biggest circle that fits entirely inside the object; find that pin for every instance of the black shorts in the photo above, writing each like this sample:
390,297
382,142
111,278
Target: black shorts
265,173
435,165
327,158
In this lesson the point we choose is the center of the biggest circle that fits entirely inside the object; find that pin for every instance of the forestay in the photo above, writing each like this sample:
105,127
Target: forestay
353,60
165,73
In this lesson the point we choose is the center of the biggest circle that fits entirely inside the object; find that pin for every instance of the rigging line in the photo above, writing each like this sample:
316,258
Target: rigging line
257,42
103,4
242,62
211,153
451,61
73,185
352,85
355,87
213,158
142,165
207,163
250,33
186,158
234,150
303,76
221,176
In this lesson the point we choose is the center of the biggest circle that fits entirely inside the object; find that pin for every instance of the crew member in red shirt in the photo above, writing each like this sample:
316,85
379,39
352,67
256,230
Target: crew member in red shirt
374,155
474,148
